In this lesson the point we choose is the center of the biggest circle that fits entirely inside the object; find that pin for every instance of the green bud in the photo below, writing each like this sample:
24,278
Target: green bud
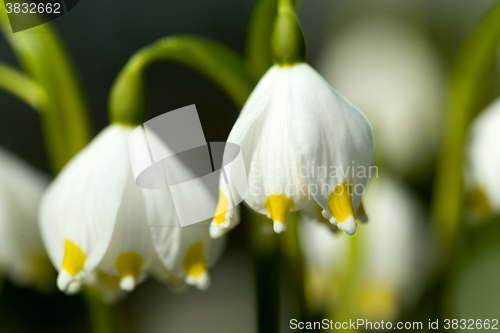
128,102
288,43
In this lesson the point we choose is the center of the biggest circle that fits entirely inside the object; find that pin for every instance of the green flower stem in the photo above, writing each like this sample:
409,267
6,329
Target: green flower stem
293,267
21,86
258,51
342,311
104,318
265,253
258,47
65,120
288,43
128,99
470,71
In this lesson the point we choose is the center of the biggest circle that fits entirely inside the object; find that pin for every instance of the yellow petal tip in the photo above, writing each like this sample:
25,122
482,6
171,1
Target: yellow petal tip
74,258
279,227
278,206
340,202
194,265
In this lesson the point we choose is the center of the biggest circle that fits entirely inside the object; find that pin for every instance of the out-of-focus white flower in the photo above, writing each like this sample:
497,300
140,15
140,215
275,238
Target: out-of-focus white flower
390,70
393,255
300,138
97,225
23,259
482,176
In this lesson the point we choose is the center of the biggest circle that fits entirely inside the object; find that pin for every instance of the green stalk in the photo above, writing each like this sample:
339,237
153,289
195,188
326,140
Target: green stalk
21,86
469,73
258,48
288,43
128,99
52,89
265,251
293,267
65,120
104,318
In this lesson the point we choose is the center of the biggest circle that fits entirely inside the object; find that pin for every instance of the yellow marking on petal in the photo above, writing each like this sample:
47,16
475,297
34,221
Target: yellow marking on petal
278,206
222,208
108,280
129,264
360,212
74,258
194,262
340,202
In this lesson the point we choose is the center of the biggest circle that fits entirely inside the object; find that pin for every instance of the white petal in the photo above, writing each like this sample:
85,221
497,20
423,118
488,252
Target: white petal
257,102
331,138
81,205
399,248
482,154
21,248
226,218
270,161
172,242
130,251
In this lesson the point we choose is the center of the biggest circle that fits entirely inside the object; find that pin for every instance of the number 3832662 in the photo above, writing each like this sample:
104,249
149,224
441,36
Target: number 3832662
471,324
33,8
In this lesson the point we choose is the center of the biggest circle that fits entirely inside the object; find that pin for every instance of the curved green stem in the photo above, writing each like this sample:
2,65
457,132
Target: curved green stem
21,86
265,252
469,73
128,99
258,48
65,120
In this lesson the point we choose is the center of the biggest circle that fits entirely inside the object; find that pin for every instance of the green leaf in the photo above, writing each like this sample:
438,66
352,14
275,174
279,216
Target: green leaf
128,100
471,69
21,86
65,122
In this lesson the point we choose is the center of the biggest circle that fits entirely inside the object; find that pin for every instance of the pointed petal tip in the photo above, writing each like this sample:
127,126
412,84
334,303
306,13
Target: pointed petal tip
348,225
201,281
74,288
67,283
217,230
127,283
327,215
279,227
64,279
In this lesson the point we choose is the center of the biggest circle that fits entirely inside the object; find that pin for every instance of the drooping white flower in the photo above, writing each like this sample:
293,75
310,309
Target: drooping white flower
482,175
300,138
395,251
225,218
23,259
98,224
391,70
